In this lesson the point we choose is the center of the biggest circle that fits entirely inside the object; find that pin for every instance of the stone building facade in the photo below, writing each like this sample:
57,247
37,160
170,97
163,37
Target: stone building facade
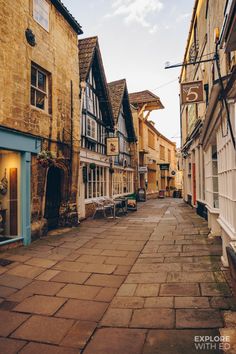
208,127
156,154
39,113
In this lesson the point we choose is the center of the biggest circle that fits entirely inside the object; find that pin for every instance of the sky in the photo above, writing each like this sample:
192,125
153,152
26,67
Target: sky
137,38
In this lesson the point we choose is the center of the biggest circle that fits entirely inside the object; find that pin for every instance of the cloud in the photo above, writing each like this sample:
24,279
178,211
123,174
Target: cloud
183,17
137,11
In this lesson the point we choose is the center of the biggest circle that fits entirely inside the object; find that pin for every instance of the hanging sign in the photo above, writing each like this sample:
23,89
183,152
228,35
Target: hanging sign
191,92
112,146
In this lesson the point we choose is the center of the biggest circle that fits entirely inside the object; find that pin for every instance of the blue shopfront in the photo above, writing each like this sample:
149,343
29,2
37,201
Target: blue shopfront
15,185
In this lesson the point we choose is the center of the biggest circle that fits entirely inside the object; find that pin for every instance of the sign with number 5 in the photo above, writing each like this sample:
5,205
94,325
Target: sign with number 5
191,92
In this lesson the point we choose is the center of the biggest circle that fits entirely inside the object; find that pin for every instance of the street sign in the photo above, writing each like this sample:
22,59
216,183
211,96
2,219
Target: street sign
142,169
191,92
164,166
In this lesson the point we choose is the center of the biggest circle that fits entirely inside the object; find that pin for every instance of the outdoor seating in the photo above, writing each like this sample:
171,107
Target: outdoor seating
103,205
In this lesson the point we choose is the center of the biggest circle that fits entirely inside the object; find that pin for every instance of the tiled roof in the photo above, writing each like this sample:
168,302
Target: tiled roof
67,15
116,89
118,96
87,48
144,97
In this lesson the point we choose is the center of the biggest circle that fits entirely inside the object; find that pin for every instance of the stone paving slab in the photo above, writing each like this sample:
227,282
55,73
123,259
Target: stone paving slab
43,329
83,310
39,348
176,342
10,321
11,346
144,283
121,340
41,305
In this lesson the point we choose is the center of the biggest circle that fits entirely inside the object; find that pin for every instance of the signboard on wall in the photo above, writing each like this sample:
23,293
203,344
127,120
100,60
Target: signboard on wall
142,169
112,146
164,166
191,92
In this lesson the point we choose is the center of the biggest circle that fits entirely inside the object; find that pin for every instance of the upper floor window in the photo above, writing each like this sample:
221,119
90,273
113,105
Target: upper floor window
169,155
162,152
39,88
41,13
91,128
151,139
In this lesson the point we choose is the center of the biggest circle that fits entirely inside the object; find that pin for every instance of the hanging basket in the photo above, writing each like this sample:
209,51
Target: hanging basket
46,158
92,166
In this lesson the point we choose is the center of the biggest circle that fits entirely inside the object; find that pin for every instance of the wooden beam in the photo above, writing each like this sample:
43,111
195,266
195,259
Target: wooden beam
142,110
147,115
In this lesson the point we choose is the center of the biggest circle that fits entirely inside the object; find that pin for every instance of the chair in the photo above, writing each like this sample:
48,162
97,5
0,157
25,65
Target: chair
99,207
102,205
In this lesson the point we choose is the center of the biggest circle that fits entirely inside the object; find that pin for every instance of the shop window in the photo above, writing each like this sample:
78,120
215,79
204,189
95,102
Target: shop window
10,171
96,182
122,182
215,189
39,88
41,13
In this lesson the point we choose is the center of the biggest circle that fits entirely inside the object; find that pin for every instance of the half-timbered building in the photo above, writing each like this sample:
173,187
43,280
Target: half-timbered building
124,163
96,125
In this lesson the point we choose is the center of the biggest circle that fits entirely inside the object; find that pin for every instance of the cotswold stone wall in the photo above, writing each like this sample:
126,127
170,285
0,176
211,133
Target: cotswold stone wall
56,52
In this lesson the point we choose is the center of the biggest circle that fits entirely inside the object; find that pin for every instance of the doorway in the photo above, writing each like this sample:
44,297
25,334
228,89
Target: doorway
53,197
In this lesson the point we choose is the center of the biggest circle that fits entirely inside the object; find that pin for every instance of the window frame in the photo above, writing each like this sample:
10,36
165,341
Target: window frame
39,90
47,28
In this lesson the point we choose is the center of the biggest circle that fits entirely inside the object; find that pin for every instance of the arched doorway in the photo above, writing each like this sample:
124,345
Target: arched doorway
53,196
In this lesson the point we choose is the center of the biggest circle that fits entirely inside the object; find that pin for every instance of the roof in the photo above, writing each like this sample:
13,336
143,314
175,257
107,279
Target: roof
90,57
116,89
145,97
67,15
87,48
118,95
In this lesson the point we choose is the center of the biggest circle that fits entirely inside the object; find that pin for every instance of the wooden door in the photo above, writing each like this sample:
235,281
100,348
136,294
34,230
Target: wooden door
53,197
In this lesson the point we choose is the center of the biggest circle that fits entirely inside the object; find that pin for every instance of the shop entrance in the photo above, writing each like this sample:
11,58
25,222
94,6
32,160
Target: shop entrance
53,197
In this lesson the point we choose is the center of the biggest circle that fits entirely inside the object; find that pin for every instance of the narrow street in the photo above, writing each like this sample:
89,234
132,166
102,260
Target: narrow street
147,283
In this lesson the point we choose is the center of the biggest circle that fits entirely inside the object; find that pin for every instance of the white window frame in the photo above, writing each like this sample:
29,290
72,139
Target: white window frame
38,90
91,126
41,8
97,183
118,184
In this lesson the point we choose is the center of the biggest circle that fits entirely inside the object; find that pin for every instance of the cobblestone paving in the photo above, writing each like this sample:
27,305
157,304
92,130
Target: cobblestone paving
145,283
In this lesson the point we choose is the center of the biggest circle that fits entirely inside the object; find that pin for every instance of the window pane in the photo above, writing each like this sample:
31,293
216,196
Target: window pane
33,76
40,100
41,13
32,99
41,81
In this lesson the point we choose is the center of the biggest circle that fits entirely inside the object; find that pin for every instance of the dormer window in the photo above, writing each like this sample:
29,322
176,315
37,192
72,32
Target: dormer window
41,13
